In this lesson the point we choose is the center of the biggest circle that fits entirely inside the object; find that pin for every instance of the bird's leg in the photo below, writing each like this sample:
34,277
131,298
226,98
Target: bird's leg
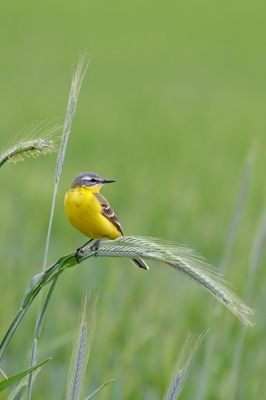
80,249
96,244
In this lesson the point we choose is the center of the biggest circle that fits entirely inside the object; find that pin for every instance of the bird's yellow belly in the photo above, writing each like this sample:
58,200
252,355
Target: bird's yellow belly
84,212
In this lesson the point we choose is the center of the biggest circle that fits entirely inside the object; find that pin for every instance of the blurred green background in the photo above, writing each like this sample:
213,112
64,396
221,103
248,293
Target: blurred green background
171,105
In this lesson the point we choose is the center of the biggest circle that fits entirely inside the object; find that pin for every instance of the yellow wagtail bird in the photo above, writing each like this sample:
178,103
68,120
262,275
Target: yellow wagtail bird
90,213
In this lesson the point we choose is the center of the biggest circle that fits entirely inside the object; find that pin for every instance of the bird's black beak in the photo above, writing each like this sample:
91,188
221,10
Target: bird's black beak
108,181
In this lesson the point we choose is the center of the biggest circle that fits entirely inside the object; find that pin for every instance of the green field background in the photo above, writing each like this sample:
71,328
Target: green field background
171,106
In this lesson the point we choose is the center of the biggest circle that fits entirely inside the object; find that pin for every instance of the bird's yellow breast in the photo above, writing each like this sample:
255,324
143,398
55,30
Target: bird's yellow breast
83,211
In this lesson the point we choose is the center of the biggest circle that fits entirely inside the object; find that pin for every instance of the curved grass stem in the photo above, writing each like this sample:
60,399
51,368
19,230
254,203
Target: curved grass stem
178,257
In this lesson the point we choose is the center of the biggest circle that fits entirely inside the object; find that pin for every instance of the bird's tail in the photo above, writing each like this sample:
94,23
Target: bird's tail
139,263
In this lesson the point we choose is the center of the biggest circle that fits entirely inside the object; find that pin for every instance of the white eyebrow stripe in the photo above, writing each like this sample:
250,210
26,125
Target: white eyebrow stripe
86,178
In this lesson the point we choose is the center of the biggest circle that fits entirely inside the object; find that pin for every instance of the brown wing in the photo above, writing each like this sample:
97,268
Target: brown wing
108,213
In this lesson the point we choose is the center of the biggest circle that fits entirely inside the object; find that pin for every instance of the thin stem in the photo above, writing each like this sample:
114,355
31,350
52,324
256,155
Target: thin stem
71,108
257,248
178,257
37,332
201,392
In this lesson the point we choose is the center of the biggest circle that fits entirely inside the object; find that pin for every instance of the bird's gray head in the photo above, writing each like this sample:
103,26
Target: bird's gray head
89,179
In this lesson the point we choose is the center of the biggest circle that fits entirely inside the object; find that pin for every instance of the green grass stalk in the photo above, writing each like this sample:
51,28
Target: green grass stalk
256,253
99,388
201,392
181,258
71,108
37,332
20,391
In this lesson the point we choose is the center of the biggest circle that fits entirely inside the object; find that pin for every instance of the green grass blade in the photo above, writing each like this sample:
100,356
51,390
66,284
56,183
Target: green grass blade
10,332
256,253
181,258
230,237
39,323
37,332
14,378
35,286
236,212
19,391
99,388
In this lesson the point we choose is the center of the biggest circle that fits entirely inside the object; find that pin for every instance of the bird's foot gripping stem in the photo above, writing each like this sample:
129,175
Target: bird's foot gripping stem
80,250
94,247
96,244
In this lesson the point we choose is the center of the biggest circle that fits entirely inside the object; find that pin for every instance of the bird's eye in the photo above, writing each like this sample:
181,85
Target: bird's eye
93,180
